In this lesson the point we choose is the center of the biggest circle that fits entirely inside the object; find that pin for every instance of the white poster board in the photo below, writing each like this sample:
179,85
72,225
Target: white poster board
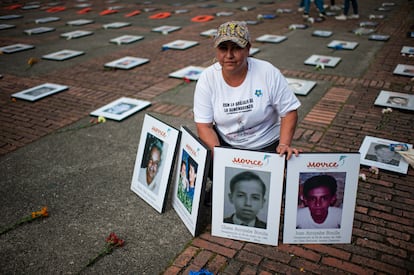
395,100
247,193
154,162
320,197
121,108
190,177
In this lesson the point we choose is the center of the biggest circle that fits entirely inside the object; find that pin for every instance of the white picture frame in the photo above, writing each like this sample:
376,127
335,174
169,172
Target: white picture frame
405,70
266,170
62,55
121,108
158,134
116,25
322,33
79,22
326,61
6,26
165,29
253,51
126,62
300,86
180,44
15,48
407,50
76,34
189,72
39,30
126,39
363,31
271,38
11,16
379,37
376,152
191,173
343,45
329,180
395,100
209,33
49,19
40,91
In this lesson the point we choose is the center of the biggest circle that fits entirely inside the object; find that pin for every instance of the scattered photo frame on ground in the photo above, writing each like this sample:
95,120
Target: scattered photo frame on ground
121,108
154,162
127,62
377,152
126,39
326,61
342,45
368,24
76,34
271,38
301,86
47,20
6,26
79,22
405,70
180,44
247,194
191,172
407,50
189,72
321,33
116,25
395,100
320,197
63,55
10,16
363,31
39,30
166,29
379,37
253,51
209,33
40,91
16,48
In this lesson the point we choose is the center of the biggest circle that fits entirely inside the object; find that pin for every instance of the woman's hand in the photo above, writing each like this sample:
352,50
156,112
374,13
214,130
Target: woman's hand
282,149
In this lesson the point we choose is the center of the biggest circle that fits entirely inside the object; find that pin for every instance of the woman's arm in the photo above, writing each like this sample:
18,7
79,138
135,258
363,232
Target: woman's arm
287,130
208,135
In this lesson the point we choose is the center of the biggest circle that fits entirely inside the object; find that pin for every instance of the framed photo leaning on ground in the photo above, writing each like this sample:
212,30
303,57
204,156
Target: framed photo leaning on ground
320,197
247,193
191,172
154,162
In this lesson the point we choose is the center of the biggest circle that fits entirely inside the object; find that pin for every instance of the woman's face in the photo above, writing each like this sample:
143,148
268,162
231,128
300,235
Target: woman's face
232,57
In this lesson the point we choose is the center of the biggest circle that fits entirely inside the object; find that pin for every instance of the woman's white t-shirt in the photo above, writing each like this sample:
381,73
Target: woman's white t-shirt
247,116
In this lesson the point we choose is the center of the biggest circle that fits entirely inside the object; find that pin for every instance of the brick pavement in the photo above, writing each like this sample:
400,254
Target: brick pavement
383,227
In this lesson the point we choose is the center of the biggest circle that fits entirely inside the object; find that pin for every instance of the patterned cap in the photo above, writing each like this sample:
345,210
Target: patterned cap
235,31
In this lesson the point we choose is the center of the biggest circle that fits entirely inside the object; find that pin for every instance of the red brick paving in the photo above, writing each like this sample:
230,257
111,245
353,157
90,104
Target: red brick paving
382,241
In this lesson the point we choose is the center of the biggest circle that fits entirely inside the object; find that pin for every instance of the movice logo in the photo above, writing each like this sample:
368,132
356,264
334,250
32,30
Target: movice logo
327,164
251,162
159,131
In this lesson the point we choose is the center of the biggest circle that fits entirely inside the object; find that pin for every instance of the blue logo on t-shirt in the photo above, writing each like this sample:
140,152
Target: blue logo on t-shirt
258,93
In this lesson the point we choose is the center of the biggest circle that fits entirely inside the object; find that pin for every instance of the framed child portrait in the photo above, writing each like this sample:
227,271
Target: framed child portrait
247,193
378,152
395,100
191,171
154,162
121,108
40,91
320,198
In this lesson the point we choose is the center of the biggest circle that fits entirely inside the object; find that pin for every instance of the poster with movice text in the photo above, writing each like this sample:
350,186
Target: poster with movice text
320,200
247,193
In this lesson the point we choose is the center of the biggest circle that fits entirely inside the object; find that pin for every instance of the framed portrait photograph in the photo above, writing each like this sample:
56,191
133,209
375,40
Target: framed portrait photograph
247,194
154,163
209,33
340,44
363,31
121,108
75,34
322,33
40,91
320,197
126,39
405,70
63,55
15,48
10,16
377,152
189,72
395,100
407,50
116,25
271,38
191,172
301,86
39,30
79,22
180,44
47,20
6,26
126,63
327,61
166,29
379,37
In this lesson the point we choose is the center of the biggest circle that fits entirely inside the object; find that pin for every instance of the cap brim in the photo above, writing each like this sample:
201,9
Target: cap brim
240,42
